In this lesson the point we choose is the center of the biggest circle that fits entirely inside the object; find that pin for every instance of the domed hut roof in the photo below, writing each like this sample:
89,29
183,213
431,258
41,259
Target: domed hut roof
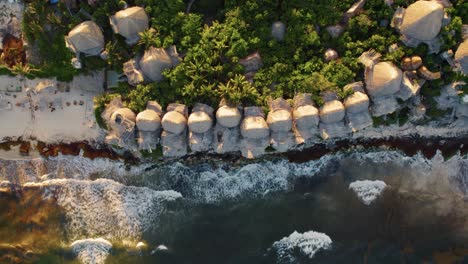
306,116
254,125
86,37
332,112
422,20
200,122
154,62
120,117
148,120
228,116
357,102
174,122
279,118
383,79
461,56
129,22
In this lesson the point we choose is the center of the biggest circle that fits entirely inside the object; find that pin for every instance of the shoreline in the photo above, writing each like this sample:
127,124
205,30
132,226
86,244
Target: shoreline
410,143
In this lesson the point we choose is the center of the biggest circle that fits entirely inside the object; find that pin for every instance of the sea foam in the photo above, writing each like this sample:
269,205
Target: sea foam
106,208
308,244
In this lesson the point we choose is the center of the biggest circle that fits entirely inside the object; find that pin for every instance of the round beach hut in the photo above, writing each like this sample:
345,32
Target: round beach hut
332,112
129,23
422,20
174,122
228,116
85,38
148,120
154,62
383,79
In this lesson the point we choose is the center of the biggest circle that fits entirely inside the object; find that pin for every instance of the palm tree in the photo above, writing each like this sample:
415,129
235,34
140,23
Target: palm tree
148,38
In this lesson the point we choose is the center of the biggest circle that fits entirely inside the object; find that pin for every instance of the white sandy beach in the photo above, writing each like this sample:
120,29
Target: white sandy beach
62,114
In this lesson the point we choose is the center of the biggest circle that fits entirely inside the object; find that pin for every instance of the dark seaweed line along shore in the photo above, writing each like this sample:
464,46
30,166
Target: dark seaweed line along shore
428,147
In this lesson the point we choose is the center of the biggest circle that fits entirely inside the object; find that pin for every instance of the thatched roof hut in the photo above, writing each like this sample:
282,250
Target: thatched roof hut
254,125
174,122
148,120
86,38
122,119
383,79
154,62
228,116
461,56
279,118
306,116
357,102
332,112
201,119
422,20
129,22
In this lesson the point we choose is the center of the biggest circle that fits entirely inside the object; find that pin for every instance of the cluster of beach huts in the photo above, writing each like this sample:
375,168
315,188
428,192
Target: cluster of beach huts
233,128
247,129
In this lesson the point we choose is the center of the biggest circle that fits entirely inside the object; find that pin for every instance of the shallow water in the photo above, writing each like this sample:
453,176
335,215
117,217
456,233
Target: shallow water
234,213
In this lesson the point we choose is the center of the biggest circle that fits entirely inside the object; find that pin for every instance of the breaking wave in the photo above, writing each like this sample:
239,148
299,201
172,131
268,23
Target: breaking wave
91,251
106,208
303,244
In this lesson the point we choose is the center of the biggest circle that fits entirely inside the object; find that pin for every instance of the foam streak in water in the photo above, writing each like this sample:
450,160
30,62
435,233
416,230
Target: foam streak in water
106,208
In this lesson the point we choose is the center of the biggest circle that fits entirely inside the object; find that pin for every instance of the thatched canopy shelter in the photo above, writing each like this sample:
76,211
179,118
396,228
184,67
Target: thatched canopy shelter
86,38
129,22
383,79
174,122
228,116
254,125
154,62
357,102
332,112
422,20
148,120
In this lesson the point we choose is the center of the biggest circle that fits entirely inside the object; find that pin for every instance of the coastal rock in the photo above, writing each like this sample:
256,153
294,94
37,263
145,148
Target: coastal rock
91,251
307,244
368,191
